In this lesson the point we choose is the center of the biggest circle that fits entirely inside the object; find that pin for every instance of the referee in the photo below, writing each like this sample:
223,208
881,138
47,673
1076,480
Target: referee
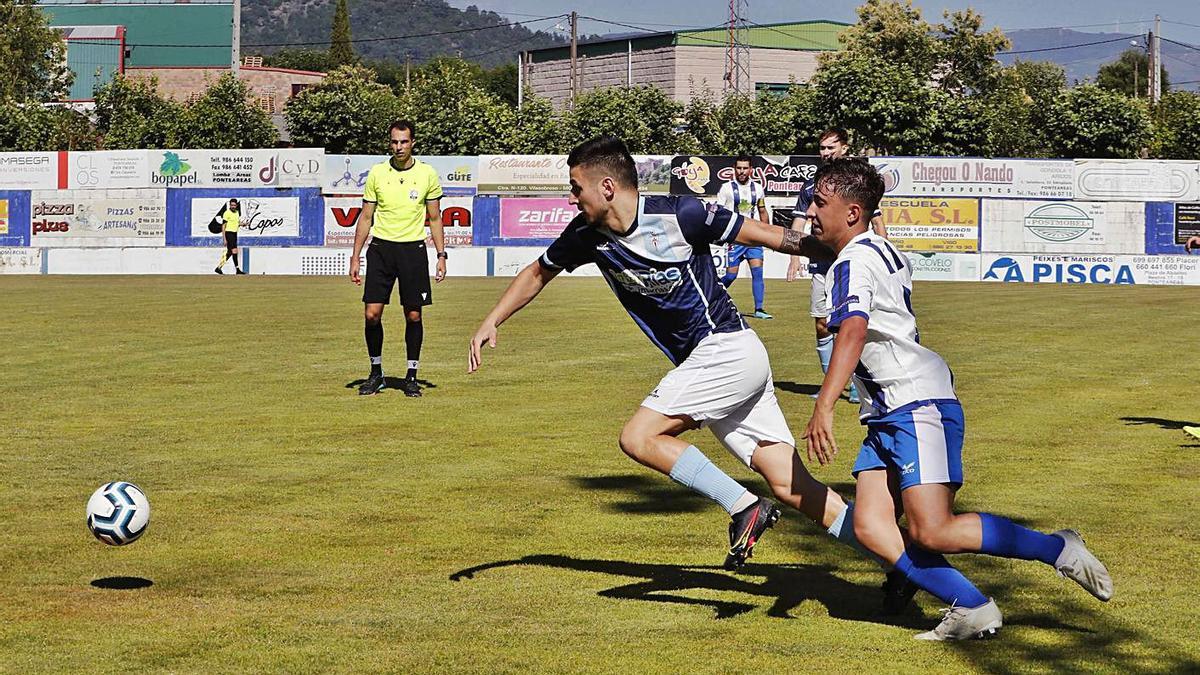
399,196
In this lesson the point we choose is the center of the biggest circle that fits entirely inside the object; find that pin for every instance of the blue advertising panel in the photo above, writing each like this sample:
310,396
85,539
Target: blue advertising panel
14,218
269,216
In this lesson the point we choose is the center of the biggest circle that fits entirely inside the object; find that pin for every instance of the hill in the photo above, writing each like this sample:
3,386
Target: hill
268,23
1081,63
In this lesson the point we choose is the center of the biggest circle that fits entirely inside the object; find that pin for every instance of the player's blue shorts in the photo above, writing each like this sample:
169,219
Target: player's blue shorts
922,443
739,252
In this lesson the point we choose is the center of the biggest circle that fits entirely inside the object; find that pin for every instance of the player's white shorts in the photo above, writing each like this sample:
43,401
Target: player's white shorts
818,308
725,385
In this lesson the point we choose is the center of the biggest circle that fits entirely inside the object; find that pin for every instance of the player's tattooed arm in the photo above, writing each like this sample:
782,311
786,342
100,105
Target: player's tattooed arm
796,242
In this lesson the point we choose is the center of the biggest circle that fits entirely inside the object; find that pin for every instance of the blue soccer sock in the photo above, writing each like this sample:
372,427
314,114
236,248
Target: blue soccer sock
1002,537
758,285
935,575
729,278
825,351
693,470
842,529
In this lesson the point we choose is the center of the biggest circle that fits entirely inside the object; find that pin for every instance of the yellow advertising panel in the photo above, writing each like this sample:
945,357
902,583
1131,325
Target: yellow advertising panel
949,225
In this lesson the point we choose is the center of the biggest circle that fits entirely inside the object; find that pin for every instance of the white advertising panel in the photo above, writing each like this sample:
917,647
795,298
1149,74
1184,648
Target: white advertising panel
303,167
935,266
524,174
974,177
1063,227
347,174
28,170
1159,270
175,260
97,218
260,216
1137,180
108,169
341,219
336,262
20,260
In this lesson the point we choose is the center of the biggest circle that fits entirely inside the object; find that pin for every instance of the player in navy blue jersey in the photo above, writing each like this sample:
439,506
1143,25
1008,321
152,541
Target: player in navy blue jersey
912,454
654,253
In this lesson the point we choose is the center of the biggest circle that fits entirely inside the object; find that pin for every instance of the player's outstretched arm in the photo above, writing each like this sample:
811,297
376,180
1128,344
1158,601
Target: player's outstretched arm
1191,244
519,293
852,335
784,240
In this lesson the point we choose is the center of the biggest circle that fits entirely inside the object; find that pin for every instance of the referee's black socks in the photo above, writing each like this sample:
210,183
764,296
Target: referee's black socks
414,333
374,335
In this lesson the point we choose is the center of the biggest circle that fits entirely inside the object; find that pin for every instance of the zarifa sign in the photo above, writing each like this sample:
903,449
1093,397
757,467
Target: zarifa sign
941,224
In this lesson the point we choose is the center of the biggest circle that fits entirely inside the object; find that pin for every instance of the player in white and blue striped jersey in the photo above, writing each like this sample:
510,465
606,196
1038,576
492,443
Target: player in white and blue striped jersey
746,198
654,253
914,420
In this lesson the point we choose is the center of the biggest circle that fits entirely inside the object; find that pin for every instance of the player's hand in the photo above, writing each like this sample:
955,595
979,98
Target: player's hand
354,269
485,334
441,270
1192,244
793,272
819,435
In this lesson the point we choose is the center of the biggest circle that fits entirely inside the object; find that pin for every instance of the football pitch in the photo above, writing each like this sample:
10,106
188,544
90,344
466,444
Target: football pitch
493,525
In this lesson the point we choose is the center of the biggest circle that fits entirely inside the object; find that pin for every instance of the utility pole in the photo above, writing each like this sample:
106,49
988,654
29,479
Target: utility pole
236,60
407,69
1156,62
574,57
737,53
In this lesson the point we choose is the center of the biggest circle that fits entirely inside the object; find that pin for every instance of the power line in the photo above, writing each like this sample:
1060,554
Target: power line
1181,44
1052,49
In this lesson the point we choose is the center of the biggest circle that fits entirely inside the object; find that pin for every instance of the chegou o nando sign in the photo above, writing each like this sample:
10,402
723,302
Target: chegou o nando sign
975,177
260,216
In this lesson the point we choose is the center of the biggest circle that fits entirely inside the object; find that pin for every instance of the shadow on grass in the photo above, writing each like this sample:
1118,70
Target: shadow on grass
390,382
646,494
797,388
1159,422
783,586
122,583
1085,637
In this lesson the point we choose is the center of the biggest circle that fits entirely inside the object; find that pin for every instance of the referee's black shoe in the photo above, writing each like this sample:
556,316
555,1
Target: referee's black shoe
898,591
373,385
747,526
410,387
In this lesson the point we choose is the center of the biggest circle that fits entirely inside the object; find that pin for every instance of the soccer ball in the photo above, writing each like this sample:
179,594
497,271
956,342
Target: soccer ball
118,513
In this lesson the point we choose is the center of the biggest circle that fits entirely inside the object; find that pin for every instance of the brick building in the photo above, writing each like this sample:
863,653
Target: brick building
681,63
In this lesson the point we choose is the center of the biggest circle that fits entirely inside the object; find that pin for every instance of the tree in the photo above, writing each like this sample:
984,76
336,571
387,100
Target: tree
644,116
33,57
883,104
703,133
130,113
453,113
1177,131
501,82
35,127
348,112
538,129
341,49
224,117
967,57
313,60
1088,121
1132,65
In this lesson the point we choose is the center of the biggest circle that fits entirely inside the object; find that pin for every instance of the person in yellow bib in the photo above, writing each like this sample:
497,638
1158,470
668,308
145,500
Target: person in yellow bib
401,194
231,220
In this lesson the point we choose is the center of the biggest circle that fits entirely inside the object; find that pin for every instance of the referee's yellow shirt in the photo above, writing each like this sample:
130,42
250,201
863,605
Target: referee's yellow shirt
233,220
399,198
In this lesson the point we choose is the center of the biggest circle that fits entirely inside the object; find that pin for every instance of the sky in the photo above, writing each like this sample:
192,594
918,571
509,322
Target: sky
1181,18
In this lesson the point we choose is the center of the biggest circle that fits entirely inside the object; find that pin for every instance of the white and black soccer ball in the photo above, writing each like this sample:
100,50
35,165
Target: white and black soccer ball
118,513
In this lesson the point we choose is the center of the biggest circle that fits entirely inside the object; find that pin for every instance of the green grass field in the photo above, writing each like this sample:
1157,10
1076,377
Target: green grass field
494,525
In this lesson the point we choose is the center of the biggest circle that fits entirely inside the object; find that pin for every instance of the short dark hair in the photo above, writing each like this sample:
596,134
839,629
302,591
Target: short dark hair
853,179
403,125
608,153
743,158
838,133
235,203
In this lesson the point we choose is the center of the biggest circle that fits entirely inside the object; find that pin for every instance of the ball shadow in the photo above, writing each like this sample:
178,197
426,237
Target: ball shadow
122,583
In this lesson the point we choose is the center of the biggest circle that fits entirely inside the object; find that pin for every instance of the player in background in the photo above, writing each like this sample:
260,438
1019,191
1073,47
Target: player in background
746,198
654,253
914,421
400,195
231,220
834,142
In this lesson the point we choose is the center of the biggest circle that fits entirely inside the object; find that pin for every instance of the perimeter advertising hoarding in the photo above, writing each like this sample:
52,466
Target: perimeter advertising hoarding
303,167
98,218
109,169
974,177
1091,269
705,174
347,174
29,170
535,219
1025,226
1137,180
342,213
945,224
524,174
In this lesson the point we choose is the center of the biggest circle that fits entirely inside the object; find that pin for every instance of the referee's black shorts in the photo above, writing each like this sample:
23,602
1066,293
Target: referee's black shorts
404,261
230,239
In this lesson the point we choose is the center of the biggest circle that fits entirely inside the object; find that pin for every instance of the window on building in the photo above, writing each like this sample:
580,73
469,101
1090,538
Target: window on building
777,88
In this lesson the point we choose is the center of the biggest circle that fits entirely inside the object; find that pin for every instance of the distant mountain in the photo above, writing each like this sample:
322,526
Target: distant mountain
270,22
1082,63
